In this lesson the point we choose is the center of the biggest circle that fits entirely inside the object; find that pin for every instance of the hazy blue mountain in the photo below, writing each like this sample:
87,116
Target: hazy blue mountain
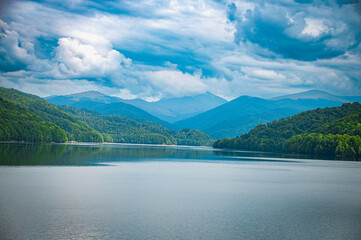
243,124
175,109
168,109
241,106
207,112
352,98
242,114
104,104
120,109
313,94
89,96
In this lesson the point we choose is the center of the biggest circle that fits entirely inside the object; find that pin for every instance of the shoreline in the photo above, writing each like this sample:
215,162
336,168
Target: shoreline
107,143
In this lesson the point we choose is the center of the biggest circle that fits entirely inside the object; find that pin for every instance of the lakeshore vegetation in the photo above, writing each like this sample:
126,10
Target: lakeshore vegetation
26,117
326,131
323,131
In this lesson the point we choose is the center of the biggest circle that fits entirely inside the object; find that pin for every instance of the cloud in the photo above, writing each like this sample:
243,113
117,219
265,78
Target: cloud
314,27
304,32
18,53
175,83
265,74
15,55
78,60
156,49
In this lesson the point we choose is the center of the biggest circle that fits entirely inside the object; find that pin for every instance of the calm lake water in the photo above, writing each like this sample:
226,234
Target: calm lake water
114,191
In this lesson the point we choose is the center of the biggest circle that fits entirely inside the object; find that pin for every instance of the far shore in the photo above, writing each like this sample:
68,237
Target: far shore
88,143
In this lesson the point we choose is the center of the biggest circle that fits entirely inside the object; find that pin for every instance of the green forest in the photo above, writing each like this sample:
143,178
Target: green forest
19,124
329,131
123,129
26,117
75,130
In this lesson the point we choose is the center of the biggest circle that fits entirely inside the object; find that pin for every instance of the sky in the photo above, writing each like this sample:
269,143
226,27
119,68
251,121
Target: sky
162,49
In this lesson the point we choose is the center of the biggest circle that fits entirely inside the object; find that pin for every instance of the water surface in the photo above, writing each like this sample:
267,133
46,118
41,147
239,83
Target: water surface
115,191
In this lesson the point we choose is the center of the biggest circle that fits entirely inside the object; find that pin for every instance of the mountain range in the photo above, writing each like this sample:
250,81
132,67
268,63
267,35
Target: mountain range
316,94
331,131
26,117
243,113
167,109
207,112
107,105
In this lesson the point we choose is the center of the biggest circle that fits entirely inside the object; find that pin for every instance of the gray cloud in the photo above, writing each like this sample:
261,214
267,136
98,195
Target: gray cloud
304,32
156,49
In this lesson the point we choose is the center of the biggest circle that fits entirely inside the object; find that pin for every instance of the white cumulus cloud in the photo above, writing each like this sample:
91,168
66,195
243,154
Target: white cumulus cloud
76,59
175,83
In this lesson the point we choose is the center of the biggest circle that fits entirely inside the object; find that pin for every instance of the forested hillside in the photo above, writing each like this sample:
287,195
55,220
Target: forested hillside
74,129
119,109
167,109
19,124
105,105
26,117
244,113
334,131
341,137
122,129
244,124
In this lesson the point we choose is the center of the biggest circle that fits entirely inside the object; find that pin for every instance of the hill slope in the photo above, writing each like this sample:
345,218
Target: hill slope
25,117
246,106
313,94
241,106
89,96
340,137
104,104
175,109
122,129
75,129
242,114
19,124
120,109
243,124
168,109
289,134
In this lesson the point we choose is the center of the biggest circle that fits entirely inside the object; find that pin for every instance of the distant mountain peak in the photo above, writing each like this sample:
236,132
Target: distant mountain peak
88,94
312,94
315,91
209,94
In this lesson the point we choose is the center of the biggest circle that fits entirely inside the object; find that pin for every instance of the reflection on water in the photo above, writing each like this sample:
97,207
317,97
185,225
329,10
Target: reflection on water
169,192
22,154
27,154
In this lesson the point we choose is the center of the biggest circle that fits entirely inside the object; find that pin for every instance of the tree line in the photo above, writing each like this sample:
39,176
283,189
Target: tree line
122,129
332,131
26,117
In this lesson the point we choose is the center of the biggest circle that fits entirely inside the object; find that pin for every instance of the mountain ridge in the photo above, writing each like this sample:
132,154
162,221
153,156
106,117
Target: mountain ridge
104,104
215,122
223,118
331,131
167,109
27,117
75,130
312,94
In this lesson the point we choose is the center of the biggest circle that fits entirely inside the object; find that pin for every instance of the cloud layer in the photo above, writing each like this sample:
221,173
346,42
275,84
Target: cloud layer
157,49
300,31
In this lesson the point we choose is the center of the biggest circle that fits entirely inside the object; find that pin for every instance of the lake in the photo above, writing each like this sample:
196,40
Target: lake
119,191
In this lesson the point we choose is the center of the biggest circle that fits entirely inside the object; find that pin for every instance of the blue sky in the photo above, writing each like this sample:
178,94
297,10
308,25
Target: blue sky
157,49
